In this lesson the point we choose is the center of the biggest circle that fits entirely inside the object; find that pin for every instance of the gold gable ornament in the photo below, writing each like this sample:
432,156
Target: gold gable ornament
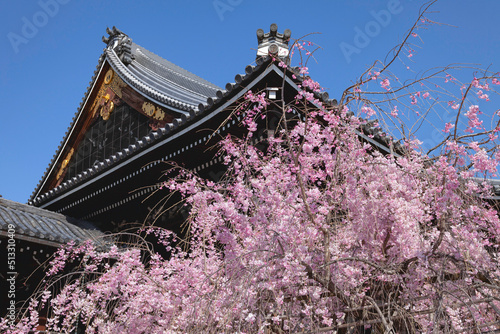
108,77
160,114
149,109
107,108
65,163
103,103
152,111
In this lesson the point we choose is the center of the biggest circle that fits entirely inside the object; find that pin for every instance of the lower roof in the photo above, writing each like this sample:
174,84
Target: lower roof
29,223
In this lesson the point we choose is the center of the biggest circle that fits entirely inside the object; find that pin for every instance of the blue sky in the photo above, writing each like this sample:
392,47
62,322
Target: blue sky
44,71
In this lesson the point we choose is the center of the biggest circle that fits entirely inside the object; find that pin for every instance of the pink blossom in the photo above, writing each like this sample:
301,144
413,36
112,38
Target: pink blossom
448,127
413,99
394,111
368,111
385,84
311,84
472,115
474,145
475,83
482,95
483,163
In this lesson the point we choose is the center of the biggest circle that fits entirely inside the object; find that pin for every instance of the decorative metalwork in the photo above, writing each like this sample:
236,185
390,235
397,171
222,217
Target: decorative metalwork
153,111
65,163
104,102
160,114
116,85
149,109
108,77
118,126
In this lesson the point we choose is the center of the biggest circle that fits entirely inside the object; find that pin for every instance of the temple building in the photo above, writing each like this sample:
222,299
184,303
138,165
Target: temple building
141,114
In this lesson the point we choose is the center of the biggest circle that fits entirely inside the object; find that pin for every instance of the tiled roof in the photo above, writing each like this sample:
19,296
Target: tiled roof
204,108
155,77
164,75
191,96
43,226
161,80
154,81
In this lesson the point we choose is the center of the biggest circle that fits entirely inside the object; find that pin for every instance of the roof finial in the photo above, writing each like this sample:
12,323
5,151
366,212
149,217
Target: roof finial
273,43
121,43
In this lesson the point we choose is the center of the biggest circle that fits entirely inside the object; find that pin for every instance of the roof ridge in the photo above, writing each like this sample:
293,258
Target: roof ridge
133,81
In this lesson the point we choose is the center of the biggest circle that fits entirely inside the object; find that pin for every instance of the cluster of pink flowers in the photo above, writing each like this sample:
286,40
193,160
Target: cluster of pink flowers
385,84
368,111
448,127
394,111
297,238
311,84
258,103
473,119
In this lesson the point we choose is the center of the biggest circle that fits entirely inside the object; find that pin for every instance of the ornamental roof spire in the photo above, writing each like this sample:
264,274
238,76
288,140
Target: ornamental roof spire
120,43
273,43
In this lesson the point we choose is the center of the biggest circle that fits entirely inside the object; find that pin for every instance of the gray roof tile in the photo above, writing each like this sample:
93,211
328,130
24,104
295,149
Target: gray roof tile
171,73
43,226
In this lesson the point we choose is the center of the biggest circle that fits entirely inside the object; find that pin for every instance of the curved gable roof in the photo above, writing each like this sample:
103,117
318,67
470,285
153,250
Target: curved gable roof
156,78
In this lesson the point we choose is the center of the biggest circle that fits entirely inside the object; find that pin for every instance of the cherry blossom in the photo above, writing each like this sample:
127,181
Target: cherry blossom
299,236
321,227
385,84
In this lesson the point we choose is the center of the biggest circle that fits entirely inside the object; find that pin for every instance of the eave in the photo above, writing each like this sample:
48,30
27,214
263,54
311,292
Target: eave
38,226
173,130
160,89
